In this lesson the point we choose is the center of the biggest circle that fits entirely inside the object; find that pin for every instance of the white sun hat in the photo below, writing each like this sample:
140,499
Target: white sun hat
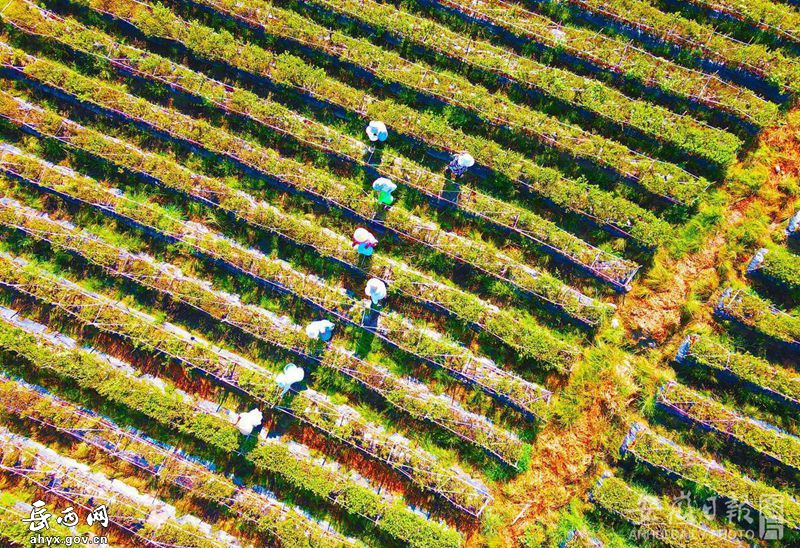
376,131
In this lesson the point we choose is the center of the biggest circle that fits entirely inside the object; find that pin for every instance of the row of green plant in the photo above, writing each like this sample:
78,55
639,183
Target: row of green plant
622,57
781,266
712,415
262,324
114,317
344,193
652,518
167,408
655,121
395,329
778,18
289,70
83,488
507,324
266,516
346,424
659,452
660,178
234,100
710,353
701,40
757,313
15,506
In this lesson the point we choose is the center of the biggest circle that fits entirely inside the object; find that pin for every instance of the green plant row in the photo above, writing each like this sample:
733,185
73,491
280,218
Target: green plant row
169,409
763,438
413,397
289,70
778,18
14,507
705,351
653,518
137,515
343,193
782,267
660,178
267,516
114,317
623,57
40,22
393,328
276,331
701,40
506,324
760,315
656,121
661,453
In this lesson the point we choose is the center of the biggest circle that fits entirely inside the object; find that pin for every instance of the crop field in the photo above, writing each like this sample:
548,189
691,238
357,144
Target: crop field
430,273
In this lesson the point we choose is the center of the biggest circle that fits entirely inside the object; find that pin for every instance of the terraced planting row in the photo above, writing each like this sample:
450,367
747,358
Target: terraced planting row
289,71
168,465
657,520
624,58
392,328
259,383
756,373
755,313
115,382
320,185
402,279
777,18
237,101
704,43
142,518
710,415
592,96
660,178
778,266
665,456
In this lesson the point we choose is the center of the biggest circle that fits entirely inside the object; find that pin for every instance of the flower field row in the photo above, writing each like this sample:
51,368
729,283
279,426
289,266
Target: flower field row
318,184
400,278
661,522
656,122
394,329
276,274
291,71
777,383
168,465
657,451
778,18
711,415
773,65
660,178
238,101
91,372
755,313
138,515
113,317
621,57
778,266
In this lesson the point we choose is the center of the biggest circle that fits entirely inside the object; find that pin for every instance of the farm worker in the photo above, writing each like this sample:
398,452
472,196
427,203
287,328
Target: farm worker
321,330
384,187
460,163
376,131
248,421
291,374
364,241
375,290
